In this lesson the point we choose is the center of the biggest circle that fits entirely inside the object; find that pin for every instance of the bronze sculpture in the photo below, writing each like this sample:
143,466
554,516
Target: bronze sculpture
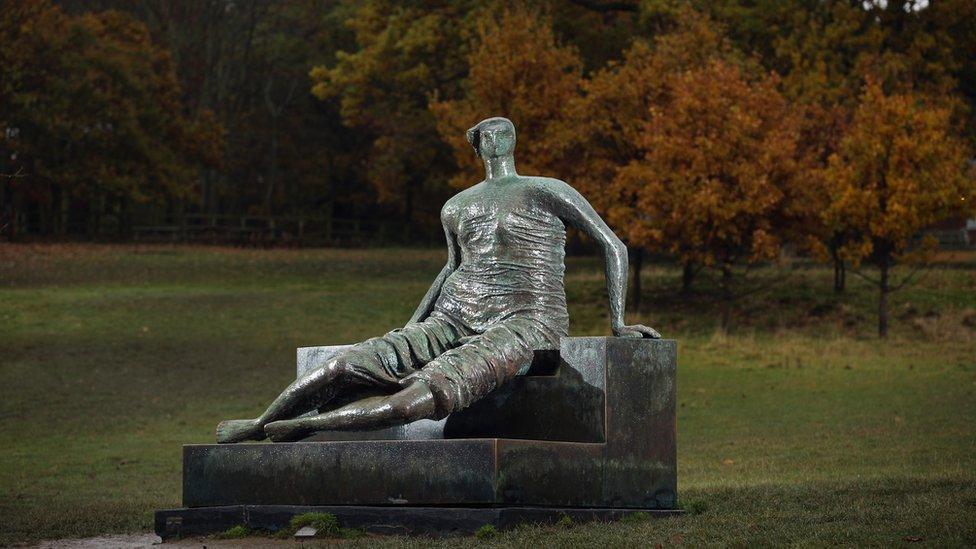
499,298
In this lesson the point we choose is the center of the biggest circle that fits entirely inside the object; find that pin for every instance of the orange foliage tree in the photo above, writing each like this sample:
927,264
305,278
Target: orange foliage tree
604,129
717,180
826,48
519,71
898,170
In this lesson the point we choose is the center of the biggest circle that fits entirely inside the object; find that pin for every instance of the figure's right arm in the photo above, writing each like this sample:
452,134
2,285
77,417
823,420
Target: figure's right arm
453,258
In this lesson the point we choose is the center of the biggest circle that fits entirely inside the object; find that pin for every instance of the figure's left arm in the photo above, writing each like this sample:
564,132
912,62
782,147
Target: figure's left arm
570,206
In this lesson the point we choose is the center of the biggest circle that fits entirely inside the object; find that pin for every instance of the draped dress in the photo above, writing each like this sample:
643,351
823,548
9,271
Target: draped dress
505,299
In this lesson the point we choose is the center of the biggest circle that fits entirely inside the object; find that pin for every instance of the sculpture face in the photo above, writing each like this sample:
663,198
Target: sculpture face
493,137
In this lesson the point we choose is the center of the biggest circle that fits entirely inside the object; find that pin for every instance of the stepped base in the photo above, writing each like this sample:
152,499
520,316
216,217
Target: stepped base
589,433
438,521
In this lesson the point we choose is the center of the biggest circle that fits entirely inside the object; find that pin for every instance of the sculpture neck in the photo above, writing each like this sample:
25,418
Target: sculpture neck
497,167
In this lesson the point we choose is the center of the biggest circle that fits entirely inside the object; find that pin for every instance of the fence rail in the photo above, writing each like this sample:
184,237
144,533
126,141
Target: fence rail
954,239
263,229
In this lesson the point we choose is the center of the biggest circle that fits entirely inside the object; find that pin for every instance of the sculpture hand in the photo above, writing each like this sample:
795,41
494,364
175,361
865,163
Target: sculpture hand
636,330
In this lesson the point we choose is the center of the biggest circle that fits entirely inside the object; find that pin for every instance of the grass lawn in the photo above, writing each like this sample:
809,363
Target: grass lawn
800,427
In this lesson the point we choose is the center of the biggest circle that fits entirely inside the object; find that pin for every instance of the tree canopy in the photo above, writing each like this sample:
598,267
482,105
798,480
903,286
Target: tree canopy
717,133
898,169
91,110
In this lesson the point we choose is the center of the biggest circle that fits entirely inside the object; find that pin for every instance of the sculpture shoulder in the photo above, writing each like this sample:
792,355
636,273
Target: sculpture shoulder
453,204
550,189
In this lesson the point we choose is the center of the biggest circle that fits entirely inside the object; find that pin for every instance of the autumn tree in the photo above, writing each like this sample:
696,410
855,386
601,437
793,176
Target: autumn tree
898,170
605,126
404,53
91,114
519,71
824,50
407,55
716,182
286,153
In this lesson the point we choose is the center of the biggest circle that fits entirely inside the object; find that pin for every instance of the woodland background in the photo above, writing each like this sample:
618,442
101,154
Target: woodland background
718,135
777,167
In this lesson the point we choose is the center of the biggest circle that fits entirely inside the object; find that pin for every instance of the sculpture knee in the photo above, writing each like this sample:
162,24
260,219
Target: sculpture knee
326,374
416,401
339,366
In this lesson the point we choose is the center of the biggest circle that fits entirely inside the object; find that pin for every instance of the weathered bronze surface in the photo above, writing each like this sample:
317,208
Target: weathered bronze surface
498,300
547,403
628,461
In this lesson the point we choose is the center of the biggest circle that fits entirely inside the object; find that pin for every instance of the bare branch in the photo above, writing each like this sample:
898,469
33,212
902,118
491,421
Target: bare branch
920,268
277,110
18,174
858,272
764,284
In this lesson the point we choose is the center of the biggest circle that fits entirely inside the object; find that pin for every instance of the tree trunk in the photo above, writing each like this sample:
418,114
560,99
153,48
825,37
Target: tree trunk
43,208
687,277
90,218
124,218
64,207
408,211
96,206
840,275
637,264
8,220
53,213
205,183
884,288
726,285
840,270
272,168
329,214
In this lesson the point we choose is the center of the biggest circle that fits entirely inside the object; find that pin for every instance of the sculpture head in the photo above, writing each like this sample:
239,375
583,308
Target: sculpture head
493,137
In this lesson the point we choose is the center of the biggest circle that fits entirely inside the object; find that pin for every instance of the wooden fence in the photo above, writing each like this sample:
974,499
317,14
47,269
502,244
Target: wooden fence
266,230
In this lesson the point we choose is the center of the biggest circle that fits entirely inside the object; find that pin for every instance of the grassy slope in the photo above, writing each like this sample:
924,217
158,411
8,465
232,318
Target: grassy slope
800,427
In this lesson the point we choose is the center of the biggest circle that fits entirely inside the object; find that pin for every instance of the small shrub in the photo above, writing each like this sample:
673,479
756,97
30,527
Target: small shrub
326,525
486,532
565,522
235,532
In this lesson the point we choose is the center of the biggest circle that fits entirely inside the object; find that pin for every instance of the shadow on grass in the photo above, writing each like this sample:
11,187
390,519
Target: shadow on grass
884,511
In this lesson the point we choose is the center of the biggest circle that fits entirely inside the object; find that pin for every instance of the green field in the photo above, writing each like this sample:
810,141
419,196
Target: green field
798,428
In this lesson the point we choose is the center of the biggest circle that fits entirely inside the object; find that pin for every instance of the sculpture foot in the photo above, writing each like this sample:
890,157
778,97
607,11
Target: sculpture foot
288,430
239,430
414,402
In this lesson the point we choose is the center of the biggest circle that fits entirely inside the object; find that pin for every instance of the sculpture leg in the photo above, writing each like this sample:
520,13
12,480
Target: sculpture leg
448,383
410,404
467,373
378,362
308,392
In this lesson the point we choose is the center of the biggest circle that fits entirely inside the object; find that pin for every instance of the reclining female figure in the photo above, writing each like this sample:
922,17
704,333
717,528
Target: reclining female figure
499,298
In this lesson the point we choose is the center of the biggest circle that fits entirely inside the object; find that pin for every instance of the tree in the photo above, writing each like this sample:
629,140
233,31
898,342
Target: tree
717,180
406,53
517,70
93,115
899,169
824,49
604,129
